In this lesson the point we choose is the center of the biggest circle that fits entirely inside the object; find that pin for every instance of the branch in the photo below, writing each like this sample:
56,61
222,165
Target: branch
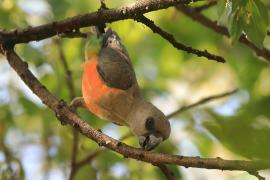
73,24
256,174
149,23
9,160
64,113
164,169
70,85
68,73
262,52
94,154
89,158
200,102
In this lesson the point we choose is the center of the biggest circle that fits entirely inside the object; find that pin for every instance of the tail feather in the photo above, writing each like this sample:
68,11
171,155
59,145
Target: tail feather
91,47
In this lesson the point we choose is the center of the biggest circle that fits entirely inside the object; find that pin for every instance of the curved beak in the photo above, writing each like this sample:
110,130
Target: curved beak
149,142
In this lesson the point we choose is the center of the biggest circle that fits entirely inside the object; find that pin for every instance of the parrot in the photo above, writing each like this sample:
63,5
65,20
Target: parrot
111,92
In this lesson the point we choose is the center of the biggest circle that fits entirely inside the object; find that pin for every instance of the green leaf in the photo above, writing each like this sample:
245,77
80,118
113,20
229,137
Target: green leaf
231,13
224,11
262,10
221,7
256,22
250,16
235,27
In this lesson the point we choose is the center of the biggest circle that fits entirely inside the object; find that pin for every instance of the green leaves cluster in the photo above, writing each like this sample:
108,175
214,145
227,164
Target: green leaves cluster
248,16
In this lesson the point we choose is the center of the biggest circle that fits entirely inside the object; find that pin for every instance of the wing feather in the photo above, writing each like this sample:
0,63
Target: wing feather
116,69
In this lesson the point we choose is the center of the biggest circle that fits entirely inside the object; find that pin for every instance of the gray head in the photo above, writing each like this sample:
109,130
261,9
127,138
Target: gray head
149,124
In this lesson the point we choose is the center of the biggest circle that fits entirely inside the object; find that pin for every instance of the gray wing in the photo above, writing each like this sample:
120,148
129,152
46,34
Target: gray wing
115,69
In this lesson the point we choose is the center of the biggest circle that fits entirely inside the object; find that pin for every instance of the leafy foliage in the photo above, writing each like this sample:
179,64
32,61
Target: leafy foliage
250,16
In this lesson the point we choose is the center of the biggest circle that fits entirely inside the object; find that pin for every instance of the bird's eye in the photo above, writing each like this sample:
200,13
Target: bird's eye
150,123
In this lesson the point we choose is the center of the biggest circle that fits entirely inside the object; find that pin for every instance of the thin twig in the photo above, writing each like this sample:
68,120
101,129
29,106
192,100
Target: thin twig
63,113
256,174
9,160
103,4
262,52
200,102
93,155
68,73
165,170
74,153
149,23
69,82
89,158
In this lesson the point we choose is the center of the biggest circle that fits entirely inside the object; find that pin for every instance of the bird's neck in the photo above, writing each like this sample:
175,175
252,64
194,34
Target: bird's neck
133,111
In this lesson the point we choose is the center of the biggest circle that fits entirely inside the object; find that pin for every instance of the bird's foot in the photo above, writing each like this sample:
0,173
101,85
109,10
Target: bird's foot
76,103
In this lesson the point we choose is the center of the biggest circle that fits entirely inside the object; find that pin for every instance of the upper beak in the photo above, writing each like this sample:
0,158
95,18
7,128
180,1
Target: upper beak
149,142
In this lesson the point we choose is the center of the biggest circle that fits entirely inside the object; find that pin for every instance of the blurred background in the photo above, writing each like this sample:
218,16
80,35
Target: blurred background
34,145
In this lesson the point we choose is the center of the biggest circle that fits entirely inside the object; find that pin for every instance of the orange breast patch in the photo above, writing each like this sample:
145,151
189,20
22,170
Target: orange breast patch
93,88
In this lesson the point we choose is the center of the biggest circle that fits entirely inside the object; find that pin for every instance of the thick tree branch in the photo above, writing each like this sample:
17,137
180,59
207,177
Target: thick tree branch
149,23
73,24
200,102
64,113
262,52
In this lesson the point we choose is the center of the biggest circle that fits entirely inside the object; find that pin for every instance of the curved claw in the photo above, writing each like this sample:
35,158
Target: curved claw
149,142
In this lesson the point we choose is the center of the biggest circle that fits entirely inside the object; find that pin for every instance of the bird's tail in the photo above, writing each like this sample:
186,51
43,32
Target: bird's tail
93,42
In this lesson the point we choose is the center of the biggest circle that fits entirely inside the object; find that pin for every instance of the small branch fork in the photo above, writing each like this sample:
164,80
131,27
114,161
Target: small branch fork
65,114
149,23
